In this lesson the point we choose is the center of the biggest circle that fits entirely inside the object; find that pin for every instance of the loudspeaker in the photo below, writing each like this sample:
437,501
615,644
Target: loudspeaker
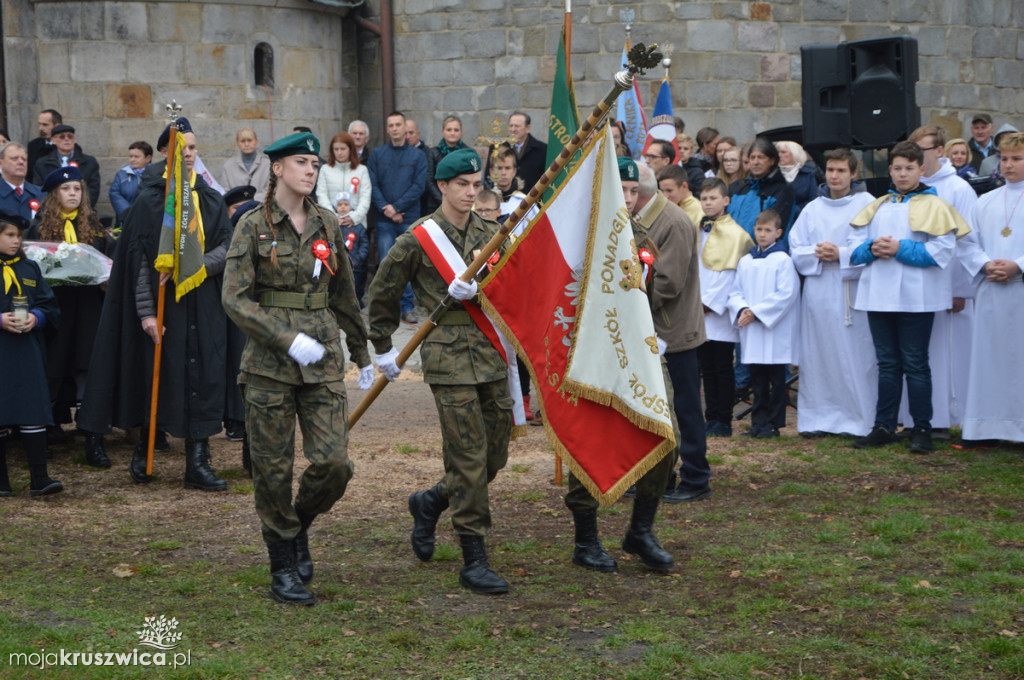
860,93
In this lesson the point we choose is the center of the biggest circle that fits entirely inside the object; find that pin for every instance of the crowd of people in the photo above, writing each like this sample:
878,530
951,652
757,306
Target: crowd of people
895,310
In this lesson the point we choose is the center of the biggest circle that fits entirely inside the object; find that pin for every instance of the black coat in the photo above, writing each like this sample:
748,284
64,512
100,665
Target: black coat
87,165
193,363
25,399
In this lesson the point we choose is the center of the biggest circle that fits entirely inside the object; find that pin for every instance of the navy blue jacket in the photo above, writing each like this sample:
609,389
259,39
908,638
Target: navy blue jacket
12,204
398,175
752,196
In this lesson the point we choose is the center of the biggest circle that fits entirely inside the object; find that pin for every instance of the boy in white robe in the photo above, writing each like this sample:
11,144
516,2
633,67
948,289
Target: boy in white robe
905,239
765,303
994,409
722,243
838,374
949,350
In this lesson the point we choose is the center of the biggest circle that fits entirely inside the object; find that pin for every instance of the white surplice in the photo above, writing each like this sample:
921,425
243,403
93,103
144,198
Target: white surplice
770,288
838,372
715,287
950,346
994,408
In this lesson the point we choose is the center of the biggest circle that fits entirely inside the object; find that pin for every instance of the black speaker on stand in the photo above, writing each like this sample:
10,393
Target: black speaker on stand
860,94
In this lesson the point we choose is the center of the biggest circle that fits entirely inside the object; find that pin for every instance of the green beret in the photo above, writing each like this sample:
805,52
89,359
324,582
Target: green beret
627,169
461,162
294,144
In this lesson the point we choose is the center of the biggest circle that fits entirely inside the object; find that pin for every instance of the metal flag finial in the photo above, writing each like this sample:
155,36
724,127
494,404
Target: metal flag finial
173,110
627,16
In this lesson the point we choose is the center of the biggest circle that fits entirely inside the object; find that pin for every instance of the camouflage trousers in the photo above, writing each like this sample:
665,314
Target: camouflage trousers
271,408
476,425
650,487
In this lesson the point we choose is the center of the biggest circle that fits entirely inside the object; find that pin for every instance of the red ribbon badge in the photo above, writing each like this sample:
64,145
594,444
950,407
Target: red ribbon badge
355,185
645,256
322,251
34,204
73,164
350,240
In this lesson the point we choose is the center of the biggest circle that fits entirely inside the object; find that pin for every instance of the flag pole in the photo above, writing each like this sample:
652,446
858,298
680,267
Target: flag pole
158,347
641,58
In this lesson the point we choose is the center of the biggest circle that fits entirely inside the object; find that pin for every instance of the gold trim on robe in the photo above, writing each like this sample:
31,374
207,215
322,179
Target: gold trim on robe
727,242
929,214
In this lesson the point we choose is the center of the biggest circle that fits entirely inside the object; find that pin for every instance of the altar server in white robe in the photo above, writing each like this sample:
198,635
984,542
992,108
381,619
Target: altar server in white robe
838,373
765,306
994,409
905,239
950,348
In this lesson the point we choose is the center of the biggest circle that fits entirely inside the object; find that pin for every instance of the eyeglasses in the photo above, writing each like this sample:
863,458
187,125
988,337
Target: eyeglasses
929,148
486,210
650,157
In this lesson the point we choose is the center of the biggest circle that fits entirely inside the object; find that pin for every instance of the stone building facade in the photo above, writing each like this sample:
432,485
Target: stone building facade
111,67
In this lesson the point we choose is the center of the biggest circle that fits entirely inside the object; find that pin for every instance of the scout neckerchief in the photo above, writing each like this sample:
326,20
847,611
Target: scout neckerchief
69,225
10,277
928,213
446,259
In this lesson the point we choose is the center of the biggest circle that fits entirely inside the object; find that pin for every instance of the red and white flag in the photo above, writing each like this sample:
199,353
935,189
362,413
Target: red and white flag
569,292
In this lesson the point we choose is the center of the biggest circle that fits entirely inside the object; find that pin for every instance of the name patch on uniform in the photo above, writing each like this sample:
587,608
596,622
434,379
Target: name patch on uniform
31,283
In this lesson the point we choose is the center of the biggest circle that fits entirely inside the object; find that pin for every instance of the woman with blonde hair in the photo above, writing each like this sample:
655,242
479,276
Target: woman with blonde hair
959,154
731,169
249,167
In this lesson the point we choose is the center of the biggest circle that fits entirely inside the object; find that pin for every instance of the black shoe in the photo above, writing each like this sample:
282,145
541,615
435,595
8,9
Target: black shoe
425,507
198,472
588,551
813,434
766,433
137,468
752,432
96,451
44,487
941,434
286,586
303,559
921,440
681,495
234,430
640,539
904,435
476,574
716,428
977,445
880,435
160,443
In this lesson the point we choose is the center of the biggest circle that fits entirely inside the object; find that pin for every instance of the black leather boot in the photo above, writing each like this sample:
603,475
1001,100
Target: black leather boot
198,473
640,539
303,560
35,451
137,468
285,585
589,553
5,482
425,507
477,574
96,451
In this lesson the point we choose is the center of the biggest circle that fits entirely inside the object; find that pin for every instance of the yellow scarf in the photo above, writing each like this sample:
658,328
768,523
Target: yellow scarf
929,214
69,226
10,278
727,242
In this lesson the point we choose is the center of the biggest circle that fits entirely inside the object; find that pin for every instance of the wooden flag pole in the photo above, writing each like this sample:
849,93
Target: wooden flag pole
158,347
641,58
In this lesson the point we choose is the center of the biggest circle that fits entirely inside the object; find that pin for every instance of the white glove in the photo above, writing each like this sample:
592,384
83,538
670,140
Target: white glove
460,290
386,363
662,346
366,377
305,350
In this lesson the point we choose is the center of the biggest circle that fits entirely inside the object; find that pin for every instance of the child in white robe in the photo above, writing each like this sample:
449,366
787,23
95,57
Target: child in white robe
764,305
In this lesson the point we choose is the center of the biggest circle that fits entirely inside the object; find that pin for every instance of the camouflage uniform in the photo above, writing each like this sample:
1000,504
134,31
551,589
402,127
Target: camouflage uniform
652,485
276,388
467,375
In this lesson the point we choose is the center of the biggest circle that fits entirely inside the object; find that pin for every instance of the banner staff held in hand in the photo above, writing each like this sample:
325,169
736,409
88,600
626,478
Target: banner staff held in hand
641,58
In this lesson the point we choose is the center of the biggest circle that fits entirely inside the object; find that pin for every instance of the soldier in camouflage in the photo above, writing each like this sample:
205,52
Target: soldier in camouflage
288,290
466,373
640,539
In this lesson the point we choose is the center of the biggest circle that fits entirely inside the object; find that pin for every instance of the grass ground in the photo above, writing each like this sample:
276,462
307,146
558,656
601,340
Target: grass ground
811,560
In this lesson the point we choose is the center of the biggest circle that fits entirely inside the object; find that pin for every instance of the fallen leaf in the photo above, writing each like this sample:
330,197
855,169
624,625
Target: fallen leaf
735,573
922,584
124,571
1008,633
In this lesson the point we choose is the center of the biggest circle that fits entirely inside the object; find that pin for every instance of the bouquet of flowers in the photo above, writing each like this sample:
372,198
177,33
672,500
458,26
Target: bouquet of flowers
69,264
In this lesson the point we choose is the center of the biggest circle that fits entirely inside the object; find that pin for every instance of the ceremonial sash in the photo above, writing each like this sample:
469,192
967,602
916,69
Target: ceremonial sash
447,260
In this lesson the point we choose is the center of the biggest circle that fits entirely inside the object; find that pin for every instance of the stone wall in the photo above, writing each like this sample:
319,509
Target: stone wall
111,67
735,64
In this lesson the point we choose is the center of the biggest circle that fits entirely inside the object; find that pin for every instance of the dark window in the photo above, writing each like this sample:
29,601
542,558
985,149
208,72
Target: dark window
263,65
